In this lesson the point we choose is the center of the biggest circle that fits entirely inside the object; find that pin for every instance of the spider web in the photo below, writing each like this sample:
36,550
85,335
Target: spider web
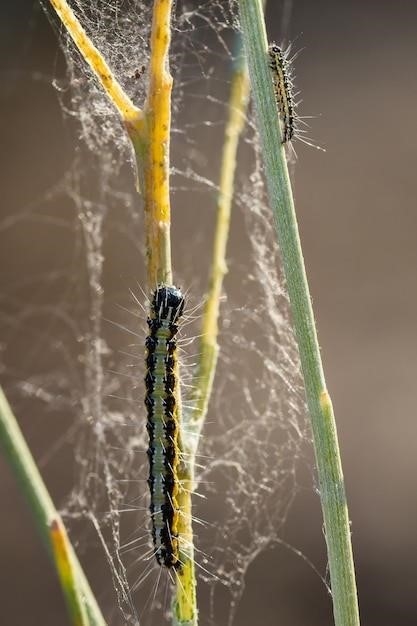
91,333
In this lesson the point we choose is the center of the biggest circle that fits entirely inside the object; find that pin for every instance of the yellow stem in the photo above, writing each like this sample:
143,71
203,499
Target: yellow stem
61,548
149,131
208,345
185,601
155,157
129,113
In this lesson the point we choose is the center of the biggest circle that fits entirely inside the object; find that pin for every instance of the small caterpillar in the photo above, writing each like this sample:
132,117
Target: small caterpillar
283,86
162,424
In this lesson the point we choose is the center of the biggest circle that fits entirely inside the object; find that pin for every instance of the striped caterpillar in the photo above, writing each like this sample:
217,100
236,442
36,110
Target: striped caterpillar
281,73
162,423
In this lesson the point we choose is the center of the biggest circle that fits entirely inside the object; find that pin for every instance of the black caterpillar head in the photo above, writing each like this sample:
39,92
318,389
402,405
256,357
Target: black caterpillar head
168,303
274,48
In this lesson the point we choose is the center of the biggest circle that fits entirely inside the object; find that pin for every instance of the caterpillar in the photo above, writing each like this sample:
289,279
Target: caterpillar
283,86
167,306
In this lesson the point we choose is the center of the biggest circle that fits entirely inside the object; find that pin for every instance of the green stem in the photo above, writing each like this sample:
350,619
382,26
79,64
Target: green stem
39,500
332,490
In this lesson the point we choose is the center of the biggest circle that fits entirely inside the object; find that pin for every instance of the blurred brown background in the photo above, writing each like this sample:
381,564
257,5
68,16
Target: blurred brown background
356,208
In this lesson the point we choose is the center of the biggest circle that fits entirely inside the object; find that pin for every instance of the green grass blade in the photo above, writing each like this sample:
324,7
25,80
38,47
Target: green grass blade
332,490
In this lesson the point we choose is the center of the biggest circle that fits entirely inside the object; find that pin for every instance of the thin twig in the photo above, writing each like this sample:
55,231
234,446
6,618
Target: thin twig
128,111
208,344
209,349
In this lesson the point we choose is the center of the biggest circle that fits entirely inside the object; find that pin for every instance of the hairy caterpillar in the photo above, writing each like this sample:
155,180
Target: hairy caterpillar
283,87
162,424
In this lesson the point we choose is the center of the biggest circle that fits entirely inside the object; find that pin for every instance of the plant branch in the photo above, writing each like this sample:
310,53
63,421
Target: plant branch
209,349
27,474
332,489
153,155
129,113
